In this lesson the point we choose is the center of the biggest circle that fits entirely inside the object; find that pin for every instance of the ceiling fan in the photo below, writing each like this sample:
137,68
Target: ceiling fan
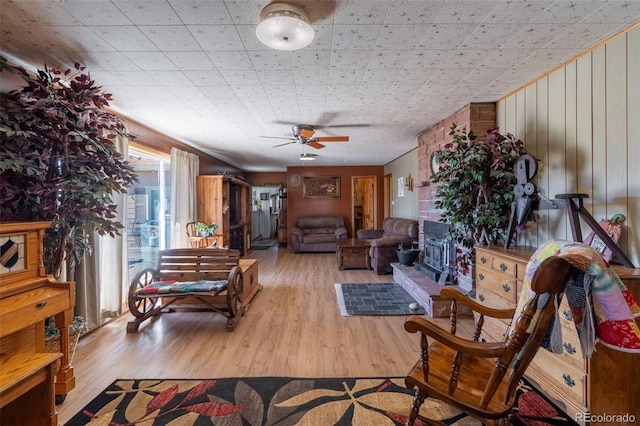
303,134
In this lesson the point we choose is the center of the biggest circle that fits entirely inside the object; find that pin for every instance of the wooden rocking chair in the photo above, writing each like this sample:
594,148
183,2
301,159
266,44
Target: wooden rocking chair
481,378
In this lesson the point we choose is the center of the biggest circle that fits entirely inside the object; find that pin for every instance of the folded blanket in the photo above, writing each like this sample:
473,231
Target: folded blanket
173,287
603,309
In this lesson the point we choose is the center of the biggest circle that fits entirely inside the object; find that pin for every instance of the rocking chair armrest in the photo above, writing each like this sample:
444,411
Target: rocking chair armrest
415,324
450,293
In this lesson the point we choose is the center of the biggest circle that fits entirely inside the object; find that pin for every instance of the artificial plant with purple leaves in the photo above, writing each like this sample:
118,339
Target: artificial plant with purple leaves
59,162
475,188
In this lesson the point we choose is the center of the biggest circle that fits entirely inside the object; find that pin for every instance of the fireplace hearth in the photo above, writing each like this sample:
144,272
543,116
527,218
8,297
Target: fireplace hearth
439,256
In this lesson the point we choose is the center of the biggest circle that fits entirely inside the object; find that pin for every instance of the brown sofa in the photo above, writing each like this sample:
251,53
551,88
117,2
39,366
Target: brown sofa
317,233
385,241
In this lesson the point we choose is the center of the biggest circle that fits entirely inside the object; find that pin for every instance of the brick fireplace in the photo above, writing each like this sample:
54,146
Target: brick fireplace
478,117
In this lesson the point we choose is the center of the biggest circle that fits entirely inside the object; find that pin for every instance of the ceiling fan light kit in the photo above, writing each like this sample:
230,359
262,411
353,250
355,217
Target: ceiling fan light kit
284,26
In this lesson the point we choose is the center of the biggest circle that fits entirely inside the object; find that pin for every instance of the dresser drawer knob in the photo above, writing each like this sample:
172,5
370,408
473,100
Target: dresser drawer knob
567,315
481,276
41,305
568,347
506,288
503,267
483,259
481,297
568,380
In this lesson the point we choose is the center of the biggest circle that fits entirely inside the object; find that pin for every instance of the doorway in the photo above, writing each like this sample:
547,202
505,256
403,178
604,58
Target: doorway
363,203
265,207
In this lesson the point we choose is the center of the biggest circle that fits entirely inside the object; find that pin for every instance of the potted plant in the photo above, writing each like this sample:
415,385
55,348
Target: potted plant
205,230
407,257
59,160
475,189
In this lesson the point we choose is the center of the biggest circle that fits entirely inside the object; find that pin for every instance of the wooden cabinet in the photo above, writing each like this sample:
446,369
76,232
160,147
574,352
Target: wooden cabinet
608,383
28,380
227,202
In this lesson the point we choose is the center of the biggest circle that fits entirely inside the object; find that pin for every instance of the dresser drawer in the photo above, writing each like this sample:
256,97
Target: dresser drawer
571,349
494,329
500,284
566,316
33,306
565,380
504,266
503,263
489,298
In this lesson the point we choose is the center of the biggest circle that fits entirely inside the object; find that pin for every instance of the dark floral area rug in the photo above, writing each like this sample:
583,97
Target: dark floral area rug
281,401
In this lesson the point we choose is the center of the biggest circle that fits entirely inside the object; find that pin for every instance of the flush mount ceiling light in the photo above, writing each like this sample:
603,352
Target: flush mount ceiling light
284,26
308,157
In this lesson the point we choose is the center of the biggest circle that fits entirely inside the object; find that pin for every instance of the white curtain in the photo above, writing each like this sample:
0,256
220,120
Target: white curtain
184,169
102,279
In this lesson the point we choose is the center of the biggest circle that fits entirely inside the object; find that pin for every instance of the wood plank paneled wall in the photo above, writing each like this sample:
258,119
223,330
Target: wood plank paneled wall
298,206
407,205
582,122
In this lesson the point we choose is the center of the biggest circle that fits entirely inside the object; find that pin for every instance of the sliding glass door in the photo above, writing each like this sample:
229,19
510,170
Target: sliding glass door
148,207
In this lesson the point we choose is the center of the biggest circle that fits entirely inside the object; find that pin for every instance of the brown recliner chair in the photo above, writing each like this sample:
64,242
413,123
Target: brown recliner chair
384,242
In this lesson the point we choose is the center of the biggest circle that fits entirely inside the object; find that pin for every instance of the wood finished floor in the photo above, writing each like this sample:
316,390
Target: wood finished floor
293,328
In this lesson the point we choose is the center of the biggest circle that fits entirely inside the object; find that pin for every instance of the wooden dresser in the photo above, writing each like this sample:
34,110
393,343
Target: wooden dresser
608,383
28,380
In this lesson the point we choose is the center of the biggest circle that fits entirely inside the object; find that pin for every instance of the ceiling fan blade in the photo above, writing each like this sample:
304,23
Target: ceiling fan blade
315,145
328,126
306,133
283,144
277,137
332,139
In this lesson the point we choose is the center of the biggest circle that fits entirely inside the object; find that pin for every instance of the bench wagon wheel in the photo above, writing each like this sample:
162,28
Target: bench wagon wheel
234,294
140,306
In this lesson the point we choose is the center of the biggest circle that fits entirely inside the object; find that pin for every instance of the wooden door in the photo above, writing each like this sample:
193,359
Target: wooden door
363,203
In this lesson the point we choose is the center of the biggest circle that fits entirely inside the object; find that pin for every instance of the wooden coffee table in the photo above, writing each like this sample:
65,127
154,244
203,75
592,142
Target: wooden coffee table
353,253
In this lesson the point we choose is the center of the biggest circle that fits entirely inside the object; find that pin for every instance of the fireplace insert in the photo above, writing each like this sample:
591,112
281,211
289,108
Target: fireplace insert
439,255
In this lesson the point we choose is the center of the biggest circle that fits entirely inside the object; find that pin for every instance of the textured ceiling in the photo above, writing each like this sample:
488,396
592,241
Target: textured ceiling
379,72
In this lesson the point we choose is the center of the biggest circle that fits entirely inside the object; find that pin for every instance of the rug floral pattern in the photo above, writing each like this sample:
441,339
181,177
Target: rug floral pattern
277,401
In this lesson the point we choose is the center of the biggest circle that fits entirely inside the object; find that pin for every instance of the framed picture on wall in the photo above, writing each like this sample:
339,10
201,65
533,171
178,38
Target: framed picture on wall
321,187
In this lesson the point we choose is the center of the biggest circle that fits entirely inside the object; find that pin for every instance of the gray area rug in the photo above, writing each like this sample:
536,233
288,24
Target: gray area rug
375,299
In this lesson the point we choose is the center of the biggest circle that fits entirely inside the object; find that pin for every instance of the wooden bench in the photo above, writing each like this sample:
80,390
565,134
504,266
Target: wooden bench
208,276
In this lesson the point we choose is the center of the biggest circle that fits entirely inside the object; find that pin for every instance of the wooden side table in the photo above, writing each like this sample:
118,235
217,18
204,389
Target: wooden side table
353,253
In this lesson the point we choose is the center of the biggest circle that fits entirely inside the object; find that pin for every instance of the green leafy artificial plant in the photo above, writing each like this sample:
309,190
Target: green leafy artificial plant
475,189
59,162
203,228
